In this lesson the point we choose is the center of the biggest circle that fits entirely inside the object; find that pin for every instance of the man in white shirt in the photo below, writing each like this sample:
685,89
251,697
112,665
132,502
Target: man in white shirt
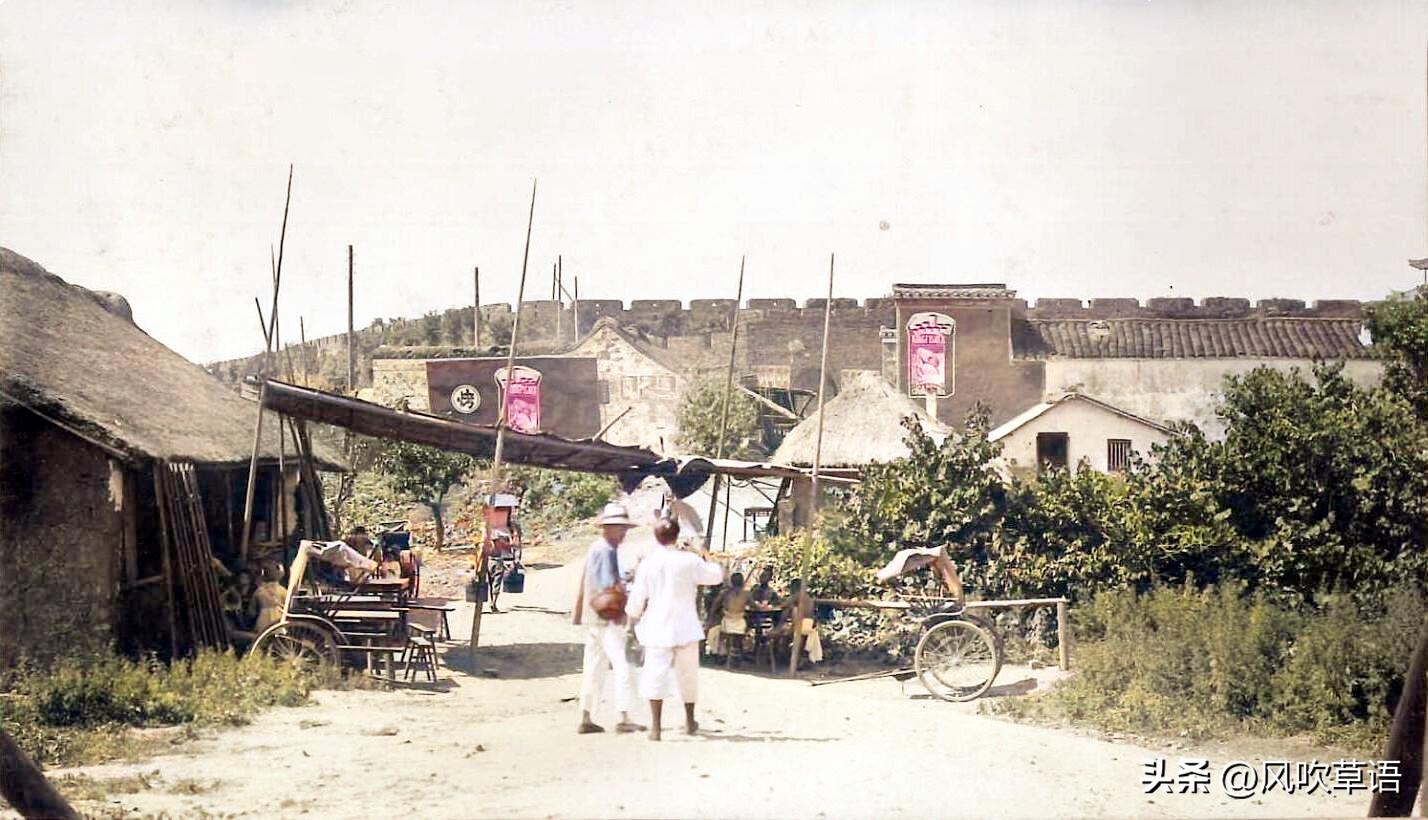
604,638
663,599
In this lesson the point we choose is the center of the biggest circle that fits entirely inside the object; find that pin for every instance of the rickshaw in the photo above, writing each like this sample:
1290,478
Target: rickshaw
959,653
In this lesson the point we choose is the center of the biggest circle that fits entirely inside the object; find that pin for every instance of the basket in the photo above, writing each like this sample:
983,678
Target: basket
477,592
515,581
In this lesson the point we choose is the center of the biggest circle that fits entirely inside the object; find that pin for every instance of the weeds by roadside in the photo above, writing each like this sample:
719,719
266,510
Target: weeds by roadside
1217,662
81,710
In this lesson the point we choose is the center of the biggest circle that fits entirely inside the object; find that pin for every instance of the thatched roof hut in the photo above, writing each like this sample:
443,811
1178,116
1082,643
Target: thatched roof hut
77,357
123,473
863,425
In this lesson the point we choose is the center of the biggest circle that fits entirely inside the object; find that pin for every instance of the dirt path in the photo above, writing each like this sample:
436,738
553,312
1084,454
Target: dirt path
505,746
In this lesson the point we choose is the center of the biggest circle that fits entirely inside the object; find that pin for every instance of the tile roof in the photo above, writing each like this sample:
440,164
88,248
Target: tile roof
1252,337
971,291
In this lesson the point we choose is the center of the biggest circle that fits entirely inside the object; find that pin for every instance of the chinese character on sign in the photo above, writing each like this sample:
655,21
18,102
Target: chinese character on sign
465,399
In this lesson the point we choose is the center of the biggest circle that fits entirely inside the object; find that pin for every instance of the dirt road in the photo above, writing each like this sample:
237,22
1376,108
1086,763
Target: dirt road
502,744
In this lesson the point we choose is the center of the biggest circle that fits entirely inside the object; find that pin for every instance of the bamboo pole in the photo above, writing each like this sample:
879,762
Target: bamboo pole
724,409
166,547
575,309
476,310
302,337
262,386
559,301
351,352
501,424
817,467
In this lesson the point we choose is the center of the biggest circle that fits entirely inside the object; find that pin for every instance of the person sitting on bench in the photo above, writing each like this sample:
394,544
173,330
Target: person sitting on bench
729,609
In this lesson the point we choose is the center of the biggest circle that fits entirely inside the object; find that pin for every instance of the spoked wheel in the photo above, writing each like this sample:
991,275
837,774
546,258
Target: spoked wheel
957,660
298,644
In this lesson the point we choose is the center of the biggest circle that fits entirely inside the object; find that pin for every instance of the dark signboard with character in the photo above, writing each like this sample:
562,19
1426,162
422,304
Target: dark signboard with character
548,394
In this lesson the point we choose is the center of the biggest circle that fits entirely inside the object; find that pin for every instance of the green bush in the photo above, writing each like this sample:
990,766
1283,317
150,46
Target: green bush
557,498
830,574
1209,661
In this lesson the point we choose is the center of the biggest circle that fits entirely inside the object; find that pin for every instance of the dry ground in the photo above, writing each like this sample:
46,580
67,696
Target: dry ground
501,743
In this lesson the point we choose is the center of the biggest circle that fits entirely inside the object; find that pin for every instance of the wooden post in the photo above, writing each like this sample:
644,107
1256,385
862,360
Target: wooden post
165,547
351,352
24,786
559,298
575,309
724,409
1063,635
476,310
817,462
481,577
263,384
302,338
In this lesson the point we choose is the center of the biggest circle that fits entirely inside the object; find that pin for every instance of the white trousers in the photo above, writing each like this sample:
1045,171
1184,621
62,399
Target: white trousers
604,653
661,661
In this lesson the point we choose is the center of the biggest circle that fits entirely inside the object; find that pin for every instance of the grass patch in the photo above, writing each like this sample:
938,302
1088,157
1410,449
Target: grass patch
80,711
1217,662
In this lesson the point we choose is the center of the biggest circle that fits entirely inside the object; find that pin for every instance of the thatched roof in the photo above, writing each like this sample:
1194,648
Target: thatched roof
73,356
863,425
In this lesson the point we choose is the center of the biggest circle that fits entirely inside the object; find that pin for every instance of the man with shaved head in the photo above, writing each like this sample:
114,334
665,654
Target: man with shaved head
663,599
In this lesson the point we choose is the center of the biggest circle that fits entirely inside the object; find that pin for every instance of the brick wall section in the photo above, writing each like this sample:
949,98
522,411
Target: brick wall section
668,317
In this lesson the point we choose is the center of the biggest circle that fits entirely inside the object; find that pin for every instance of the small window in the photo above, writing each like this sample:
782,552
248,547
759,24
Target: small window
1118,452
603,388
1052,451
629,387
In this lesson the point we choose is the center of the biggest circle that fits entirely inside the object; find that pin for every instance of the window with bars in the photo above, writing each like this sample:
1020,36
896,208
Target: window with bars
1118,452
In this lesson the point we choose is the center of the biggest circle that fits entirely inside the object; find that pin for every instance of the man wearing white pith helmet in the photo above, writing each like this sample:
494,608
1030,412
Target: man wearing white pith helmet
605,635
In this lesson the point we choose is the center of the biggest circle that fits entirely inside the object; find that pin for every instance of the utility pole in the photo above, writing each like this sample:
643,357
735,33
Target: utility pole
476,313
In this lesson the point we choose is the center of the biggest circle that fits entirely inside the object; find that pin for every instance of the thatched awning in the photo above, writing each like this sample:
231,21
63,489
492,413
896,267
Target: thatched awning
370,419
75,358
863,425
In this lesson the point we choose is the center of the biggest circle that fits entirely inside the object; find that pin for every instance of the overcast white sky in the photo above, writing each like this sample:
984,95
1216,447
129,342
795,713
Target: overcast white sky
1067,148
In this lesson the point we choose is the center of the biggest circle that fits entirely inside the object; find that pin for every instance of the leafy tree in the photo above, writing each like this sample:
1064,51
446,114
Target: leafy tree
1328,481
424,474
939,494
1399,327
699,416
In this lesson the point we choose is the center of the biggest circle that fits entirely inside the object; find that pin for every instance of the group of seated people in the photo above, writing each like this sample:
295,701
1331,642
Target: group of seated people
729,614
251,608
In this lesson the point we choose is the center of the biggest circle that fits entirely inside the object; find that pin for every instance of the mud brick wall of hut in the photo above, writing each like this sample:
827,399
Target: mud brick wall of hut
61,537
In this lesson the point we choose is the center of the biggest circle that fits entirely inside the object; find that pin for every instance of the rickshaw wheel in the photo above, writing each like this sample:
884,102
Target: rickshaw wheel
298,644
957,660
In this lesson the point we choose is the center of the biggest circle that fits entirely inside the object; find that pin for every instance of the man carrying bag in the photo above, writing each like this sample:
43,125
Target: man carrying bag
600,608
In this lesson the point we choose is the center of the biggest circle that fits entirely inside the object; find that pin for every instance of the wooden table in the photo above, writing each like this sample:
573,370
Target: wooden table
382,586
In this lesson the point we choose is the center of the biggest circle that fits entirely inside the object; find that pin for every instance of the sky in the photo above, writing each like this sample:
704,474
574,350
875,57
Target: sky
1068,149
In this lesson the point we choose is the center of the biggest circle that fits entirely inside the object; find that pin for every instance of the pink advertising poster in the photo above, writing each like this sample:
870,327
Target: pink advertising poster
928,339
522,398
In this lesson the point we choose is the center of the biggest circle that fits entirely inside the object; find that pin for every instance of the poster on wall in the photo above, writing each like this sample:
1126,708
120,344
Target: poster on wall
522,395
931,345
467,390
